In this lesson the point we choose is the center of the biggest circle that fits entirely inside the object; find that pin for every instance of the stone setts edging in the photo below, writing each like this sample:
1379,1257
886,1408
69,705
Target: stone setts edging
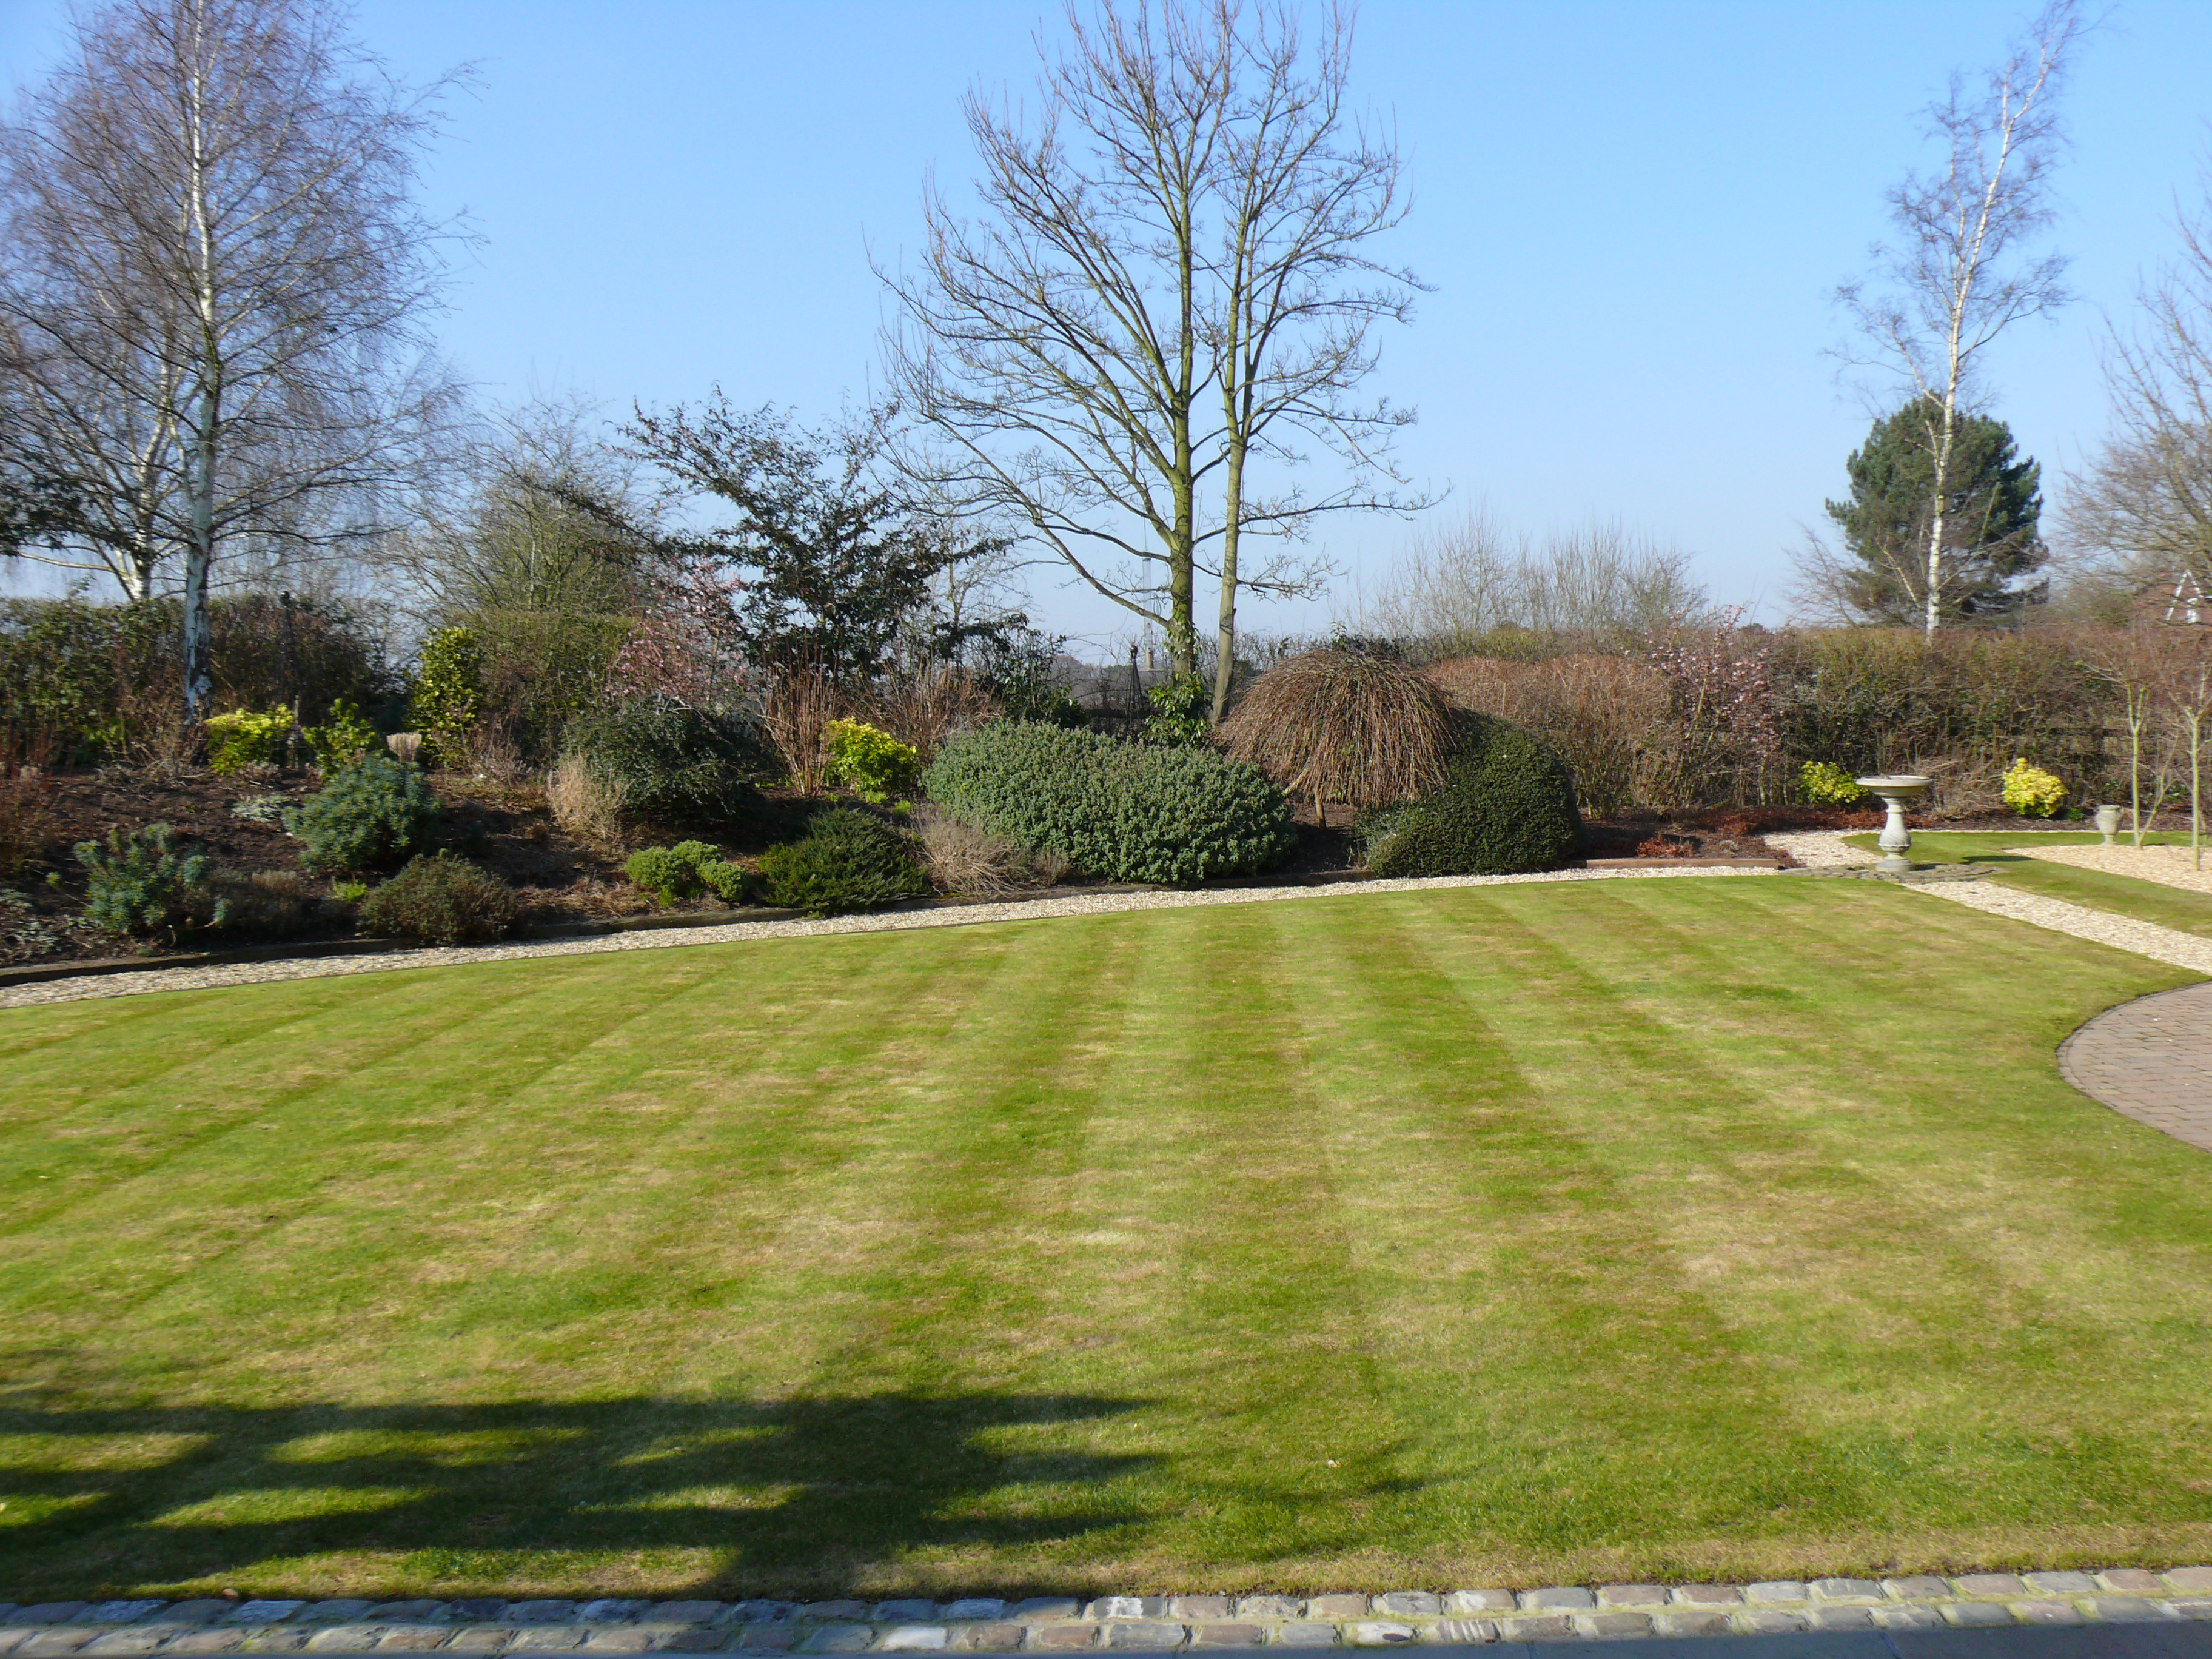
1069,1623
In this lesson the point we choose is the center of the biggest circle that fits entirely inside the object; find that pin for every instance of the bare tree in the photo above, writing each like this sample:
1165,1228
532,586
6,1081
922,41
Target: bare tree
2185,682
2134,661
1452,586
1959,274
214,299
2147,498
1303,191
1181,226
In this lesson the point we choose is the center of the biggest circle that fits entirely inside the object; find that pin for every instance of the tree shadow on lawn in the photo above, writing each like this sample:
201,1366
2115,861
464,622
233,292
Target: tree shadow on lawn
800,1497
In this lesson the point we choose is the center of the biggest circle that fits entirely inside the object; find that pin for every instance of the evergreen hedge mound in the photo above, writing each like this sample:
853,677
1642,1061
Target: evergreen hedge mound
1127,812
367,817
443,900
671,763
850,861
1506,806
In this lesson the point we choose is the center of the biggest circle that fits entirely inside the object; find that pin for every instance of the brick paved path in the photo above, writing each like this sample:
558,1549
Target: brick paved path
2150,1060
487,1626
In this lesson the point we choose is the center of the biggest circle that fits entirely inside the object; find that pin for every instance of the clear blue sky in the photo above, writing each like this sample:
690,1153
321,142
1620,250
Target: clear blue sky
1634,215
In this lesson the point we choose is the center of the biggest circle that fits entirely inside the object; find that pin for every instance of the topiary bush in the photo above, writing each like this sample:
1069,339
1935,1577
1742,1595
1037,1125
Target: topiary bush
442,900
1126,812
1506,806
142,885
367,817
874,763
667,762
849,861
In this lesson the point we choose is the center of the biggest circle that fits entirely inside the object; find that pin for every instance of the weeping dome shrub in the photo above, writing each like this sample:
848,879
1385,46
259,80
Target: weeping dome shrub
1506,807
1127,812
1344,724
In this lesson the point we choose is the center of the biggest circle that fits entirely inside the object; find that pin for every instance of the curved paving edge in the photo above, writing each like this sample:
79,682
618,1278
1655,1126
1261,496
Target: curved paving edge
2149,1060
1060,1624
156,978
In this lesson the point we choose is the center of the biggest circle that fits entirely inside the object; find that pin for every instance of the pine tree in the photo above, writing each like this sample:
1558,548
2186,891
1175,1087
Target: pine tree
1991,550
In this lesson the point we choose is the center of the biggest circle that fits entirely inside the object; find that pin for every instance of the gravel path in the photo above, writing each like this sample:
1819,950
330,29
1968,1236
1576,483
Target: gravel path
2170,865
1825,849
194,979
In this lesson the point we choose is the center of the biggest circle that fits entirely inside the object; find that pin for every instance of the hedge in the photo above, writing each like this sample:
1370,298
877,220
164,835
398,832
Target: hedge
1506,806
1126,812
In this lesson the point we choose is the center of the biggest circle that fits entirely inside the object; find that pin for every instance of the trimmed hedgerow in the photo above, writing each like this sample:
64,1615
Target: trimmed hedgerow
443,900
1506,806
1126,812
849,861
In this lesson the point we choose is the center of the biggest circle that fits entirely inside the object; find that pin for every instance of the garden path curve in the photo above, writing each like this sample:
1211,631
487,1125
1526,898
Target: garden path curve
2150,1060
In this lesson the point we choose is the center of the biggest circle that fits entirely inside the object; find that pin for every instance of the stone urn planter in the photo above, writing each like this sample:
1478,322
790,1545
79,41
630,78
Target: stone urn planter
1898,791
2108,823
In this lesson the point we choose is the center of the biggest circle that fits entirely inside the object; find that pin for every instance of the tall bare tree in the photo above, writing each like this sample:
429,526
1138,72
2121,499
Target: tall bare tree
2147,498
1961,271
216,286
1166,289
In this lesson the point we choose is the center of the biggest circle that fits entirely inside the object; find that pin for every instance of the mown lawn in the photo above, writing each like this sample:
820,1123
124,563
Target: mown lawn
1624,1229
2135,896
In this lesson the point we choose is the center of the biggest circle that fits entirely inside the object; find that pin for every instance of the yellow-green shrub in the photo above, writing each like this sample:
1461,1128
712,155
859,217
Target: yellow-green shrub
2032,792
1827,784
874,763
242,738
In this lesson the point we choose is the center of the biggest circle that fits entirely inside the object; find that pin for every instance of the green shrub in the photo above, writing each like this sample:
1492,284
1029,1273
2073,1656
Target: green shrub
343,739
2032,792
1827,784
367,817
140,884
1180,710
670,873
850,861
448,695
443,900
667,762
1127,812
242,738
874,763
1506,806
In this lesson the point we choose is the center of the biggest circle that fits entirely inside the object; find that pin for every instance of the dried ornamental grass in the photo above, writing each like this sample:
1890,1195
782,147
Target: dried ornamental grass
974,863
1343,726
587,807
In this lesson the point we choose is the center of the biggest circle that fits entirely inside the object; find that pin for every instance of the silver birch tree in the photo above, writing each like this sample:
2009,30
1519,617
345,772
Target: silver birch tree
1960,272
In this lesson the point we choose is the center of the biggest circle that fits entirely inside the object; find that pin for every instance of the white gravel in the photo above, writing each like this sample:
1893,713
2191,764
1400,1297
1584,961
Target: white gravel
2173,865
1824,849
139,981
2098,927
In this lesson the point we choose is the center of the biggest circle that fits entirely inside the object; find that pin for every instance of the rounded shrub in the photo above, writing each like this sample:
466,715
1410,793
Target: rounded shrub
1126,812
874,763
367,817
849,861
1823,783
670,873
443,900
667,762
1506,806
2032,792
1342,724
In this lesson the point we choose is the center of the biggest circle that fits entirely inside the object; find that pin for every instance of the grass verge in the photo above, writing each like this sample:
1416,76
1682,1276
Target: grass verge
1616,1230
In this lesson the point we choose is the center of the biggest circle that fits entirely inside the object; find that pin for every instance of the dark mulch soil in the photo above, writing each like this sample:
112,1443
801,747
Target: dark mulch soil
508,828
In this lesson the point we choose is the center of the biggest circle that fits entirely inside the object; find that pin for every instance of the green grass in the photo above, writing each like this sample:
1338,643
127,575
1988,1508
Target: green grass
1608,1230
2125,895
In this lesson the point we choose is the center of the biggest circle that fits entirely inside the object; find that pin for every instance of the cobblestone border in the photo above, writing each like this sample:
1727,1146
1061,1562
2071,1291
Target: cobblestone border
1058,1623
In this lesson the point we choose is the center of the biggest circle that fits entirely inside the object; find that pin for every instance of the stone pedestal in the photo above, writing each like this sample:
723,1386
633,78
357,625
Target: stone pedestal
1898,792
